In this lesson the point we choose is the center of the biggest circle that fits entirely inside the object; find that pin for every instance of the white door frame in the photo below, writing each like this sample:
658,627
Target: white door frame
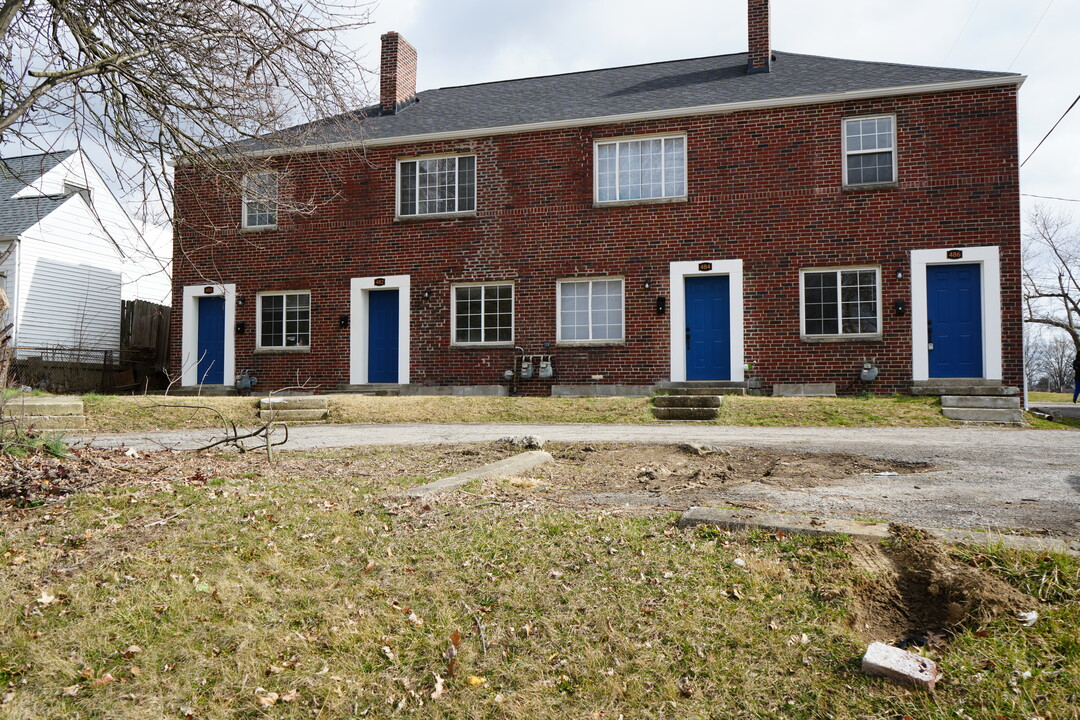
988,258
358,325
679,272
189,331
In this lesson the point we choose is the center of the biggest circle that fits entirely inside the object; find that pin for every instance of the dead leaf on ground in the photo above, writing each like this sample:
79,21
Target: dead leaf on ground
475,680
438,692
290,696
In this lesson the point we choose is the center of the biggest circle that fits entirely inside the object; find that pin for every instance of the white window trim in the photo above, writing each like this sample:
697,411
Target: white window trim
245,200
453,314
189,341
839,309
621,340
678,272
635,138
845,153
451,213
258,322
989,258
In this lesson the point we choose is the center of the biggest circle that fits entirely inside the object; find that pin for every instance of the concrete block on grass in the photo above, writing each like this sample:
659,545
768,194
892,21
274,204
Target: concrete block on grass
507,467
900,665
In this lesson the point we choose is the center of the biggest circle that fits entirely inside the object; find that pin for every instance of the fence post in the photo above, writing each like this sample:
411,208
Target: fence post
107,373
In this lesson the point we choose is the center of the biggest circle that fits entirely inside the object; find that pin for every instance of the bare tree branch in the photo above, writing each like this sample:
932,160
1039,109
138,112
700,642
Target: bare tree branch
158,81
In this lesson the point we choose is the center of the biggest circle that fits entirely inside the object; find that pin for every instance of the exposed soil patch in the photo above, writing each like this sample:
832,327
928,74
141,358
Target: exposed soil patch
911,587
691,473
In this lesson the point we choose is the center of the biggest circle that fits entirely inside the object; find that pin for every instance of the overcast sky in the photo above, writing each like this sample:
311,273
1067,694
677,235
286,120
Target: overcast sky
461,42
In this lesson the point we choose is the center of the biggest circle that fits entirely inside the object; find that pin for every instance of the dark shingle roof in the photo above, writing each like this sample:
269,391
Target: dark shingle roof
19,214
653,87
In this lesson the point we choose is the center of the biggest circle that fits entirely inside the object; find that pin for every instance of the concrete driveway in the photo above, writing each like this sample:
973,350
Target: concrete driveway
984,478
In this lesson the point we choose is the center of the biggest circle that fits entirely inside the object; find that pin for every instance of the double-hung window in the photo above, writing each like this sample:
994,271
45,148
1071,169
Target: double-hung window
870,150
841,302
645,169
483,313
285,320
436,186
260,200
591,310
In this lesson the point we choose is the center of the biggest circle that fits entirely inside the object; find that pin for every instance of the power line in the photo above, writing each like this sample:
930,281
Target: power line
1051,130
1037,24
1049,197
962,29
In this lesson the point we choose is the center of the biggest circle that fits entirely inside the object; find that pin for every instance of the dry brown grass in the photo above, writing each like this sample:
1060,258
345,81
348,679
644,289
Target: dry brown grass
302,580
137,413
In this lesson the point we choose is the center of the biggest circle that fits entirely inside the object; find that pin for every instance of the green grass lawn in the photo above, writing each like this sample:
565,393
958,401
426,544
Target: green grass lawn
257,591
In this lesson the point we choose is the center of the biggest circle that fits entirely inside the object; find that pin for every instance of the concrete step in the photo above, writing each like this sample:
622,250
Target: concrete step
1000,402
207,390
306,402
293,415
691,384
701,387
962,386
704,391
687,401
989,415
380,389
52,422
19,406
674,413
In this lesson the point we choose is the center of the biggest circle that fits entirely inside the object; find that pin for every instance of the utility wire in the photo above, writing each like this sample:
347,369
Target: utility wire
962,29
1051,130
1049,197
1039,22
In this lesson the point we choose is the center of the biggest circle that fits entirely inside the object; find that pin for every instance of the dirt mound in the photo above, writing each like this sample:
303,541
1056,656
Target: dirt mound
692,473
911,586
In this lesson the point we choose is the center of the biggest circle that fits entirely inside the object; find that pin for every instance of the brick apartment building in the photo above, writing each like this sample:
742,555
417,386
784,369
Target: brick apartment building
762,215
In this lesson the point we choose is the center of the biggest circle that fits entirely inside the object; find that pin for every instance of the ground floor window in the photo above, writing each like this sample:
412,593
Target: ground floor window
841,302
285,320
483,313
590,310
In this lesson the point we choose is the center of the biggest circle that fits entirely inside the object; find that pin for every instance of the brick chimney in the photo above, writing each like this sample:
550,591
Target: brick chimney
759,41
397,73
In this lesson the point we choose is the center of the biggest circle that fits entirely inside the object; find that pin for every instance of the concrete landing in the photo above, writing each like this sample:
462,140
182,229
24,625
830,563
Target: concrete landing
508,467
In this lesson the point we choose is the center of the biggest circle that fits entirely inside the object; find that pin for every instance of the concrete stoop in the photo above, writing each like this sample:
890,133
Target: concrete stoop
45,413
1003,409
693,400
305,408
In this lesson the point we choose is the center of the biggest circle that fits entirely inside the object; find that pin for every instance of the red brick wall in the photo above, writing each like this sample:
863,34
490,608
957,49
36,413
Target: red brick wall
764,186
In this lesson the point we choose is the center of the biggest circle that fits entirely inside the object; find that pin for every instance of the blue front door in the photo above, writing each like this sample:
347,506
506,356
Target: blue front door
708,328
954,321
211,357
383,336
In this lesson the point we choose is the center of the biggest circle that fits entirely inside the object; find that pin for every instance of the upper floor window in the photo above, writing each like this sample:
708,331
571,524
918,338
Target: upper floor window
591,310
841,302
285,320
641,169
433,186
483,313
870,150
260,199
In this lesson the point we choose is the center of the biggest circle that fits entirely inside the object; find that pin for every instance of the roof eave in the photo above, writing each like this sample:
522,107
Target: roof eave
712,109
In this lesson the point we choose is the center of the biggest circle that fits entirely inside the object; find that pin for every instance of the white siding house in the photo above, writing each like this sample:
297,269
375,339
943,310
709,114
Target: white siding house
77,255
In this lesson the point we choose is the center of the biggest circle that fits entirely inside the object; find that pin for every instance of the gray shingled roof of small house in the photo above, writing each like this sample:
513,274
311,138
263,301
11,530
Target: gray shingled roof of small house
651,88
19,214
